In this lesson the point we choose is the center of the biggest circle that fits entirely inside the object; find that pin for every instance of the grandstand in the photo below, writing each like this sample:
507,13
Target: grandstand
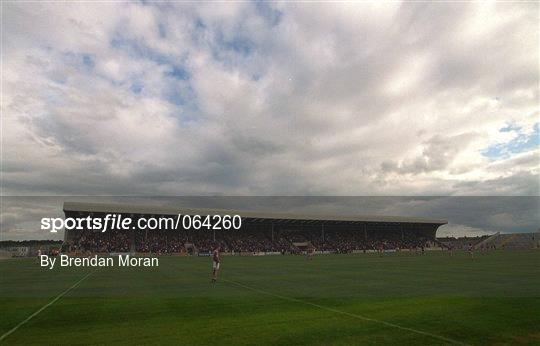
512,241
261,232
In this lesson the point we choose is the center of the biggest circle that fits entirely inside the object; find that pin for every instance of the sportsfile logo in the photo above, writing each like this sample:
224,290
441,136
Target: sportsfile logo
120,222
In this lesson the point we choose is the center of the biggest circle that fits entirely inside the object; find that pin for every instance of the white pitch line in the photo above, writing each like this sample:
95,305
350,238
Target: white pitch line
44,307
435,336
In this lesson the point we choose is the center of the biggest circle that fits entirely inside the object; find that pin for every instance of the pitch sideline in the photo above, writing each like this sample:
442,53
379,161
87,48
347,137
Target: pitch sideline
12,330
389,324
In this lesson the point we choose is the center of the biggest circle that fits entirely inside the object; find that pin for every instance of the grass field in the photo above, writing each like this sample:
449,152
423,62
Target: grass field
334,299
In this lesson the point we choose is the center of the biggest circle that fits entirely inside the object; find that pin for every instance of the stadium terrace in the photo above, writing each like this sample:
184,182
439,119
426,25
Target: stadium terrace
261,233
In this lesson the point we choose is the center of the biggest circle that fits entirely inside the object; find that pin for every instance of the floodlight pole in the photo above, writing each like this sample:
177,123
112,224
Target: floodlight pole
365,231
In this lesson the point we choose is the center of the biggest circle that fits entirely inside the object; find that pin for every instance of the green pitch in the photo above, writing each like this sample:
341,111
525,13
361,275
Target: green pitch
333,299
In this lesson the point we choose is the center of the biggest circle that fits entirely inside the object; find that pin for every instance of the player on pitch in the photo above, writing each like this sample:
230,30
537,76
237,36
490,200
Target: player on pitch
310,252
471,251
215,263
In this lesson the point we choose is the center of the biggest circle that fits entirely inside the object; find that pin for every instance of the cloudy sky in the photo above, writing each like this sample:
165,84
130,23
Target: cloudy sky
246,98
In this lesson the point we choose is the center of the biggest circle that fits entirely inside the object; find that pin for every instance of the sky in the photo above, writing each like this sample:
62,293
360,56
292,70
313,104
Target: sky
259,98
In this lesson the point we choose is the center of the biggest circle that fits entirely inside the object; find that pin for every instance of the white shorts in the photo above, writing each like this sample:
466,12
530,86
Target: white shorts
215,265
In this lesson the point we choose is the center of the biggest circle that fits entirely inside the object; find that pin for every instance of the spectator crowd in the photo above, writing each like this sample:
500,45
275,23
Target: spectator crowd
203,241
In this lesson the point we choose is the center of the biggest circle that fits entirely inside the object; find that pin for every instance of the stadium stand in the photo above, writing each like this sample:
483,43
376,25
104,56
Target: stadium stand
516,241
260,233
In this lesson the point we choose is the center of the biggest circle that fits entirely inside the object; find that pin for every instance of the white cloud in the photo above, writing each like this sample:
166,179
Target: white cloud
343,99
456,231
